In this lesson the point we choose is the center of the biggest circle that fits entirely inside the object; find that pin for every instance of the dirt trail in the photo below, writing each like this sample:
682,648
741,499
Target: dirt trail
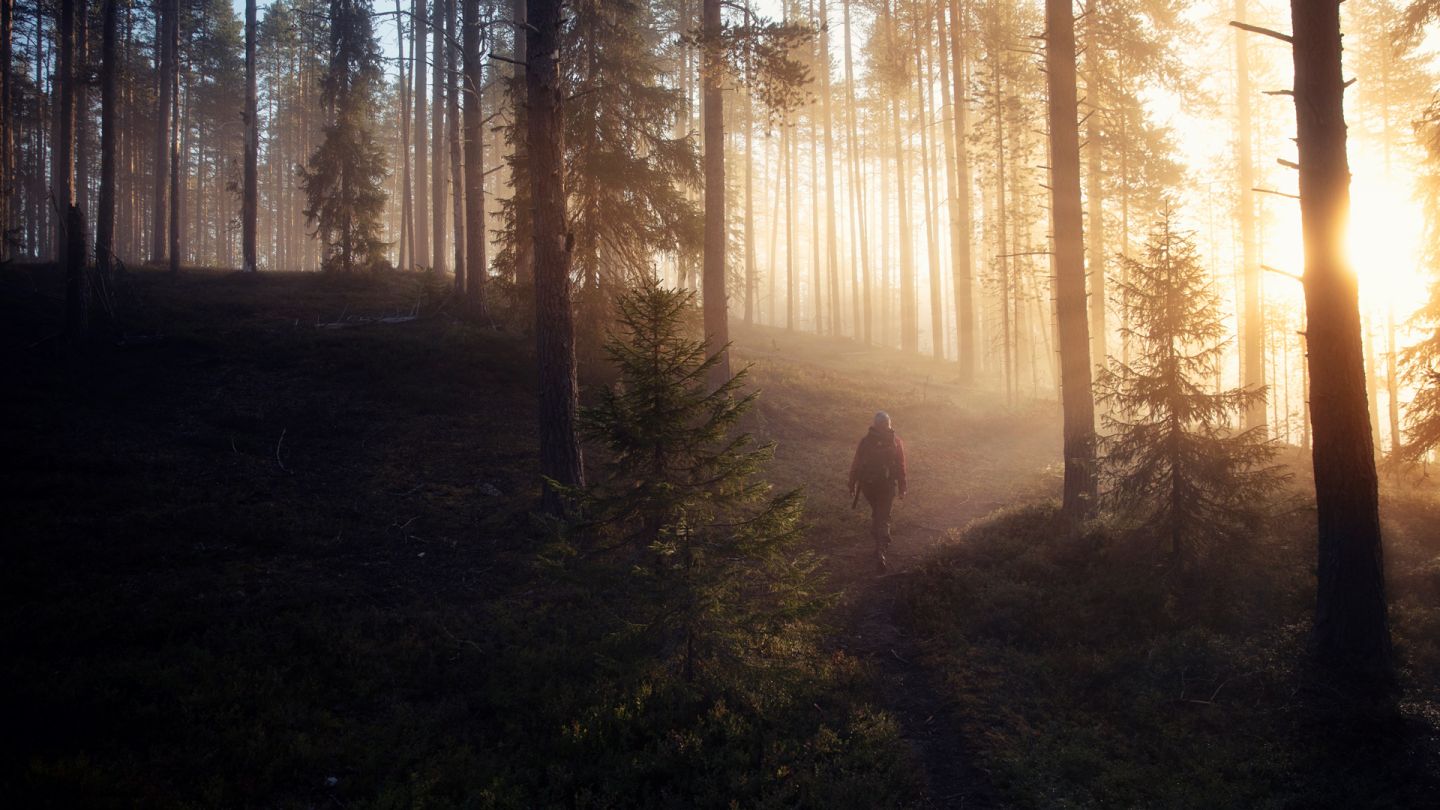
968,455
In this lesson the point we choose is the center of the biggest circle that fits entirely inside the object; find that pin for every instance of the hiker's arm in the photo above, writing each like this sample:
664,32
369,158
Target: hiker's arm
900,465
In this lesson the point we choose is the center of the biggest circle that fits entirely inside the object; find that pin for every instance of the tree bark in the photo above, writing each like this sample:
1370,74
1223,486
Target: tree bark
475,259
437,137
560,458
1067,226
109,135
862,304
1094,193
832,250
62,142
172,35
960,203
1352,630
1252,329
160,158
406,258
7,135
421,246
717,328
452,119
251,207
69,231
909,319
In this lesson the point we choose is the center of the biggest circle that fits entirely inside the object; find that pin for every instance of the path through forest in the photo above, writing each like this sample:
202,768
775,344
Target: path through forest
968,455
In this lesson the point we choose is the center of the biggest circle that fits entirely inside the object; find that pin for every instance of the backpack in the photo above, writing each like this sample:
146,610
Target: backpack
877,460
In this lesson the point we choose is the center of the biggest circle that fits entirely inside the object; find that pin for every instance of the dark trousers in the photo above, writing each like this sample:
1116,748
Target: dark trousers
881,498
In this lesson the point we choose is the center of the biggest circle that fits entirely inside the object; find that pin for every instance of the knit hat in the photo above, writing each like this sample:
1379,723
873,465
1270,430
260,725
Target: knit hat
882,419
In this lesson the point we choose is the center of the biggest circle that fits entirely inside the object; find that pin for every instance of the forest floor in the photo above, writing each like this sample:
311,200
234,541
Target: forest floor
272,549
249,541
968,454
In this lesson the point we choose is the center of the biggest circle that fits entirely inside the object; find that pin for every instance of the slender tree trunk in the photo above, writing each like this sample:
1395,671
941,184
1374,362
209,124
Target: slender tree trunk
1067,227
437,137
930,195
909,320
791,287
81,78
474,81
421,245
1352,630
1252,329
109,80
452,118
407,211
750,279
957,177
524,258
560,458
172,22
7,134
69,231
862,304
160,159
1392,387
251,208
1095,192
62,141
832,249
717,328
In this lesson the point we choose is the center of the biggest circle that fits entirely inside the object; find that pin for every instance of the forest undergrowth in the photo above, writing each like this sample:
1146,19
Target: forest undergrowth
274,549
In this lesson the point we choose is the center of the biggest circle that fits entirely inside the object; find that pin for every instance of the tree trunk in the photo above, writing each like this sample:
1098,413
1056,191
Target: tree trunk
960,204
832,251
1094,193
452,118
172,36
1392,386
69,231
862,305
930,196
473,82
7,135
109,79
252,146
1252,330
1351,627
437,137
909,318
62,142
717,329
1069,251
80,73
421,246
560,458
160,158
524,256
750,279
405,260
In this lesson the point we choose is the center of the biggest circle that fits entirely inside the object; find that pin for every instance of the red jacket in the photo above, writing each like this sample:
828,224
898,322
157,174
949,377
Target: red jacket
882,454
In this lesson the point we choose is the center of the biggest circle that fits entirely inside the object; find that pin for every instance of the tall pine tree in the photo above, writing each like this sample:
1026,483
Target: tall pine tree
342,181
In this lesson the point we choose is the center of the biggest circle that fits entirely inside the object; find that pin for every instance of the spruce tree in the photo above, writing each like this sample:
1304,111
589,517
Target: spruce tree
342,181
1422,360
703,542
1172,461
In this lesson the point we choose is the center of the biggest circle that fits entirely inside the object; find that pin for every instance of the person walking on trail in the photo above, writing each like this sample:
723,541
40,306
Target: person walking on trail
878,473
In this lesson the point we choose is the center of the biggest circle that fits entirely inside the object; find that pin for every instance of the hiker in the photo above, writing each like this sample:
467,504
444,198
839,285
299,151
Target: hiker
878,473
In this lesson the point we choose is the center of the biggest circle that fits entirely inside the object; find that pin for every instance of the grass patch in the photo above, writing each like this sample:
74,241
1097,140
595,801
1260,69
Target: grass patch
1088,677
250,560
